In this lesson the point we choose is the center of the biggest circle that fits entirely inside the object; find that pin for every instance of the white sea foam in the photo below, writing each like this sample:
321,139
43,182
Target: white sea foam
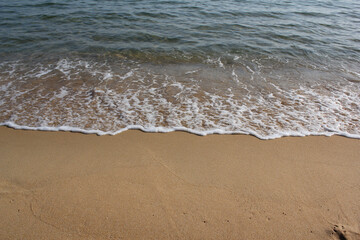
63,92
91,97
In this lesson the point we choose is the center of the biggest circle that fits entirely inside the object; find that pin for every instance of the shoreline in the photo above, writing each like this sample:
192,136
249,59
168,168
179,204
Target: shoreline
135,185
329,132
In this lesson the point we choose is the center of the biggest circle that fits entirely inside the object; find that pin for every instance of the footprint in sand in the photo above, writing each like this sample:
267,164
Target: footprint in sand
345,233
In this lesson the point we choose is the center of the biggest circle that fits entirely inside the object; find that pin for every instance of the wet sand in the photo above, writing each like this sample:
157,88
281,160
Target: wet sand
135,185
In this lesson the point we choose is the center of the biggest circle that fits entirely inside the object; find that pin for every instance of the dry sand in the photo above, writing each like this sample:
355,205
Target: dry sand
135,185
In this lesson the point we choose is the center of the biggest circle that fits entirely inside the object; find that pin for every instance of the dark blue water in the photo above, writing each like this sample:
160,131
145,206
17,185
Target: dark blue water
182,29
269,68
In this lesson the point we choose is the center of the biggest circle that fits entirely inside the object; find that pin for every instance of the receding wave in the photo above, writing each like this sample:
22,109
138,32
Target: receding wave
212,97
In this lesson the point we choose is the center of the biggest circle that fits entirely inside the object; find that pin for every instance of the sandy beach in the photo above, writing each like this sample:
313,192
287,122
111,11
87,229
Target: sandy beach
135,185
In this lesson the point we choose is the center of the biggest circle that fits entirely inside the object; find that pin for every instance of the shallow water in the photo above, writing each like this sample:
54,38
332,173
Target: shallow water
255,67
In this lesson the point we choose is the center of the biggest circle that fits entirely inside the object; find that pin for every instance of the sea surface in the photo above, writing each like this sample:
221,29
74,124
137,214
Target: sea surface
261,67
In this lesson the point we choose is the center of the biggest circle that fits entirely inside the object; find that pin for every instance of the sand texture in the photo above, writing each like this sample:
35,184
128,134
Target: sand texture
135,185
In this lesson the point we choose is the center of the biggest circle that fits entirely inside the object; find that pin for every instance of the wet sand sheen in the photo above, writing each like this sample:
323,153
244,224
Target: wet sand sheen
135,185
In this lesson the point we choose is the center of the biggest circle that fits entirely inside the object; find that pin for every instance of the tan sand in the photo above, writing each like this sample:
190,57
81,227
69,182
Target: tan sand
135,185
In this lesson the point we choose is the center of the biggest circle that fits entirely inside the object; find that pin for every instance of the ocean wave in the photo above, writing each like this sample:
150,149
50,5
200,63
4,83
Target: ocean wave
257,97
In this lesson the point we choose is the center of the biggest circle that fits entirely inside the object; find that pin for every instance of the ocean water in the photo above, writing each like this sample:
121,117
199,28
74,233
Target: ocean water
261,67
